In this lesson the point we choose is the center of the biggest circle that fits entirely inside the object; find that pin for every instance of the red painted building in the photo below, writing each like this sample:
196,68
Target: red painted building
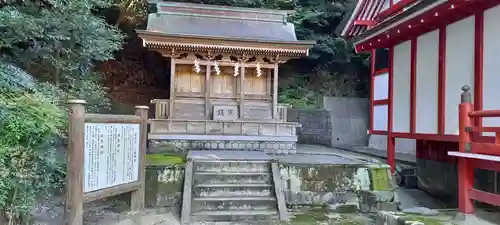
441,84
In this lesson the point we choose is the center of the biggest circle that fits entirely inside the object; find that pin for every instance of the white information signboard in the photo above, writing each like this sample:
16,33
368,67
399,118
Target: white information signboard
111,155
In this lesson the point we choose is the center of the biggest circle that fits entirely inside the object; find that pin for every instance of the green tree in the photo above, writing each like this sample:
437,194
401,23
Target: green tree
60,42
48,51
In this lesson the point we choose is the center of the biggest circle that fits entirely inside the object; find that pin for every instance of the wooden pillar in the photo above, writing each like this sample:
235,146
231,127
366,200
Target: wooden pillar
172,88
208,104
465,169
391,152
269,86
73,214
391,141
242,91
138,196
275,92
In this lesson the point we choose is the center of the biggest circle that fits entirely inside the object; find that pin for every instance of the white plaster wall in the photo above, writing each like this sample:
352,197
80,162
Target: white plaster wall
401,88
459,68
491,65
380,116
386,5
407,146
427,82
381,86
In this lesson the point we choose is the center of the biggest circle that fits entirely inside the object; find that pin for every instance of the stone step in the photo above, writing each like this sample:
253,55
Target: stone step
227,198
236,215
233,191
234,185
236,173
232,166
254,179
198,206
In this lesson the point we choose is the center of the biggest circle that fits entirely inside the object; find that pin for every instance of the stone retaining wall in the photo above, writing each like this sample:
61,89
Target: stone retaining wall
340,121
304,185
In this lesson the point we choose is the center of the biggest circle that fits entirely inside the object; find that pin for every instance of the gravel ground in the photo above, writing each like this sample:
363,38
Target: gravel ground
112,211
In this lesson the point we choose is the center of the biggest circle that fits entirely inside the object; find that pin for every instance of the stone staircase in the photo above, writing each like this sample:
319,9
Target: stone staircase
225,190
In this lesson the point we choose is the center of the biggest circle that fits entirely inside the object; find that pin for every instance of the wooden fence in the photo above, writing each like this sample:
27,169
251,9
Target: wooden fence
475,153
105,158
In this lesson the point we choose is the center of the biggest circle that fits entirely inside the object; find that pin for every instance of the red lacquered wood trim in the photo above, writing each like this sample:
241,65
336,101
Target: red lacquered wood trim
378,132
485,129
485,113
442,81
483,139
478,65
486,165
413,85
381,71
394,9
483,196
485,148
429,137
425,22
365,22
381,102
465,169
391,89
372,89
391,143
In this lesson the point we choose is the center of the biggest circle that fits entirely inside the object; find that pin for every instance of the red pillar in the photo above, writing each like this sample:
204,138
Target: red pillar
391,142
465,168
391,152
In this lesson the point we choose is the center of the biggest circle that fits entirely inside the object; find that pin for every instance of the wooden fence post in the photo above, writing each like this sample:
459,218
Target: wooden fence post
465,170
137,200
73,214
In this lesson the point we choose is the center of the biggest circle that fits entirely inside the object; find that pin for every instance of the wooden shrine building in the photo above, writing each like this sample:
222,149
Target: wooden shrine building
435,79
224,76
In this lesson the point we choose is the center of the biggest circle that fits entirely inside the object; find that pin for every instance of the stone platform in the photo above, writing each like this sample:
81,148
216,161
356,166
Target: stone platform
315,175
273,145
228,155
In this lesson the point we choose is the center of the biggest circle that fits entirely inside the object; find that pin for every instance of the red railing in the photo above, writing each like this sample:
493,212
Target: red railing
470,153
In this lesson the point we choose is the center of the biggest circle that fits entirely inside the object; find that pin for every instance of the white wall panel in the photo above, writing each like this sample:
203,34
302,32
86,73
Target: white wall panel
427,82
386,5
381,86
459,68
491,65
401,88
380,116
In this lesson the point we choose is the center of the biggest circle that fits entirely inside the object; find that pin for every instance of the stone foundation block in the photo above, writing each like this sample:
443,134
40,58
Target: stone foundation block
183,146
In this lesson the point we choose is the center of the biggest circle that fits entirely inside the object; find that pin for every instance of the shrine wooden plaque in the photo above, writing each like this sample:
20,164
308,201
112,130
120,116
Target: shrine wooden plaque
105,158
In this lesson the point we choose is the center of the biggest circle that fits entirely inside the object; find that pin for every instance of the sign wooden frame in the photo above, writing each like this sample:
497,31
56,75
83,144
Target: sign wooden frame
75,196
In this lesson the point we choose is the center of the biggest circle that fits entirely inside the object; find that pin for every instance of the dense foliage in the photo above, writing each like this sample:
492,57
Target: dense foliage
48,50
60,43
332,68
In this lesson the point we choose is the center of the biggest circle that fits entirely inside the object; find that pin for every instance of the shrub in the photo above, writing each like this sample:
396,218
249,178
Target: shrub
29,124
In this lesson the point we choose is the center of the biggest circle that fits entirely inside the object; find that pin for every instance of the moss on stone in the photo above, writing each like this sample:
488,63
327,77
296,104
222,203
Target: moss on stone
380,179
164,160
427,220
311,216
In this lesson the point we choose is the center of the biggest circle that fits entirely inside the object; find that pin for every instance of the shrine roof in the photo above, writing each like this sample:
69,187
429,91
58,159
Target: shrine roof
202,27
222,22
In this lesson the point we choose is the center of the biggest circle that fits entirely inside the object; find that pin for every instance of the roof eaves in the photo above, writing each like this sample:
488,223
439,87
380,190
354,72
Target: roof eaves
353,17
299,42
413,10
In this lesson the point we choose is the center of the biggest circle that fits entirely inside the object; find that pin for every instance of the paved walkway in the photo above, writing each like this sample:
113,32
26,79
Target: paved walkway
382,154
306,154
